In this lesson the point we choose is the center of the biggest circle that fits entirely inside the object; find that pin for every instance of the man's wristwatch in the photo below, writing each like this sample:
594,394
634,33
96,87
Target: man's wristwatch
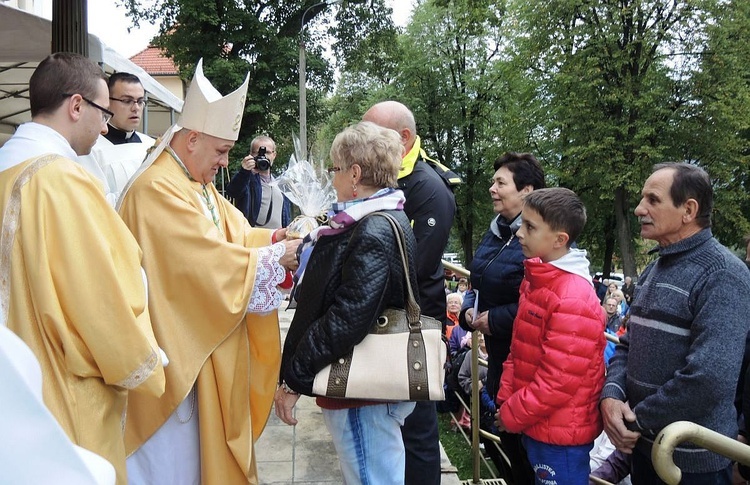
288,390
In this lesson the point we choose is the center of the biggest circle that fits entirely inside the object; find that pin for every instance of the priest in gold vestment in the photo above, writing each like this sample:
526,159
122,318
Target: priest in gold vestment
71,284
213,298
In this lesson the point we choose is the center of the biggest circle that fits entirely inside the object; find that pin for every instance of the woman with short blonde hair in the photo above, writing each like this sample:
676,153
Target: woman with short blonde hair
622,306
374,148
350,271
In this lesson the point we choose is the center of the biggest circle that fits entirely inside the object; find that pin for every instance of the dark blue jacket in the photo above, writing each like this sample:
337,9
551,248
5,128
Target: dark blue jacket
496,271
245,188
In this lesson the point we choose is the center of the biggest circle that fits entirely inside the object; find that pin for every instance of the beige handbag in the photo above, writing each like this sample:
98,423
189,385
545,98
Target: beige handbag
401,359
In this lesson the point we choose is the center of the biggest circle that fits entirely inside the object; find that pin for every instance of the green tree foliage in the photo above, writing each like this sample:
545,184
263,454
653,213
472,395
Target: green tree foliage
370,48
451,67
255,36
598,90
466,95
368,56
718,132
620,81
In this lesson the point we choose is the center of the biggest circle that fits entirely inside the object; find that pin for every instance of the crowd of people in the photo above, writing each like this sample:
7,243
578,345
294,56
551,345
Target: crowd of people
670,323
140,340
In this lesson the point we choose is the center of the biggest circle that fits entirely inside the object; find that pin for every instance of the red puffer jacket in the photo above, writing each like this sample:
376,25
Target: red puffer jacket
554,375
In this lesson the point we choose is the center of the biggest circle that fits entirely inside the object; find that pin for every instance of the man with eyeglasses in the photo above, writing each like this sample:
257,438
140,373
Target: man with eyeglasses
119,152
71,285
262,203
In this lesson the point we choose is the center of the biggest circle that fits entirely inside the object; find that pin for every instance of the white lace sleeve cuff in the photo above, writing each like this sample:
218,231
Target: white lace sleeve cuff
269,274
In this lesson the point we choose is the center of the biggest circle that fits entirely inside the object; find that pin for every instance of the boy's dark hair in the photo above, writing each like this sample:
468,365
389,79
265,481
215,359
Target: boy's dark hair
691,182
560,208
60,74
124,77
525,168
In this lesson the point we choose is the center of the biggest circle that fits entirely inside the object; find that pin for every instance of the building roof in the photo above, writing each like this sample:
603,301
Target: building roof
154,62
19,59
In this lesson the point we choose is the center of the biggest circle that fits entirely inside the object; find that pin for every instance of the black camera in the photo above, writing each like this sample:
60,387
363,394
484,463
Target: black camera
262,163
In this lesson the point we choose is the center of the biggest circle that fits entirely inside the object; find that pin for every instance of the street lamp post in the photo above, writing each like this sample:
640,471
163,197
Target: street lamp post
303,79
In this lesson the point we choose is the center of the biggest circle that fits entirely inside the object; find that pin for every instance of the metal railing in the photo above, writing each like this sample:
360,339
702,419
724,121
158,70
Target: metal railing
475,451
476,432
664,445
681,431
496,440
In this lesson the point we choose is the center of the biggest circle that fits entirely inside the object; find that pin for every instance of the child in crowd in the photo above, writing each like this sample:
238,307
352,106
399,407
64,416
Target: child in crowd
463,285
465,378
553,377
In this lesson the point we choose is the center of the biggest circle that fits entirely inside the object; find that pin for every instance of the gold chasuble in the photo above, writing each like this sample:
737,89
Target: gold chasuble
72,287
201,274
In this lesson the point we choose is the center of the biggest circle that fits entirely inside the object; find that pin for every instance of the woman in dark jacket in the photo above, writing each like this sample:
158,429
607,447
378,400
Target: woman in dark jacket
496,272
354,271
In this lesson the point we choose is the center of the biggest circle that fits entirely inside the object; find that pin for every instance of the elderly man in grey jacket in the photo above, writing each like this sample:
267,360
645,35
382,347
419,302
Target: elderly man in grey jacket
681,357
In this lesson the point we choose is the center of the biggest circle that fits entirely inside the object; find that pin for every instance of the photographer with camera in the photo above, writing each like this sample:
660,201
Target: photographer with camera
262,204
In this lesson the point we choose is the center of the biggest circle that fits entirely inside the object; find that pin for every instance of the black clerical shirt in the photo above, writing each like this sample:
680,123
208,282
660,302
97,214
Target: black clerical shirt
118,137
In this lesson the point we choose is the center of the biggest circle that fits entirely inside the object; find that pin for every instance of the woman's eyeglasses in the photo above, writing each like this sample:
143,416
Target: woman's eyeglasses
334,169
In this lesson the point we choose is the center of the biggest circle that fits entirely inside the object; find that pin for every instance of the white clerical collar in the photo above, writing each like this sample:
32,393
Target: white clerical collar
32,140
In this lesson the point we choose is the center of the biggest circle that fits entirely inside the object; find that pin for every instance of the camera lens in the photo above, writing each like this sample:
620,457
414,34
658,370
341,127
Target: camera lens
262,164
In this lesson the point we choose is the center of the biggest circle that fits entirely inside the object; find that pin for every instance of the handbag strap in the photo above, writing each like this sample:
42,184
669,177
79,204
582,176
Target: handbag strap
413,312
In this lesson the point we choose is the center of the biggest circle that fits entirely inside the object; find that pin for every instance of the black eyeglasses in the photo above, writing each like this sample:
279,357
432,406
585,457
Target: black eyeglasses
334,169
141,102
106,114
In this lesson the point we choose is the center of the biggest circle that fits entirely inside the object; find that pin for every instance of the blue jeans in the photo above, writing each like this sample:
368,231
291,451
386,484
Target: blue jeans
368,442
558,465
642,472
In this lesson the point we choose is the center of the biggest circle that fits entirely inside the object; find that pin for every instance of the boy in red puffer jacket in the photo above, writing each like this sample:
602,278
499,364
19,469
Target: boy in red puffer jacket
552,379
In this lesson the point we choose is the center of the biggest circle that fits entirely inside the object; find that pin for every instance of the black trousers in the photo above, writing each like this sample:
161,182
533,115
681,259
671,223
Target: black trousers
422,443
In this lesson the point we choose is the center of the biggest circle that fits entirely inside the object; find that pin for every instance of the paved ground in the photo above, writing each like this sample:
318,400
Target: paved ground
304,454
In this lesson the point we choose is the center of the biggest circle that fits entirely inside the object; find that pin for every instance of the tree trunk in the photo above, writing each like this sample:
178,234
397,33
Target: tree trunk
465,215
609,249
624,236
467,244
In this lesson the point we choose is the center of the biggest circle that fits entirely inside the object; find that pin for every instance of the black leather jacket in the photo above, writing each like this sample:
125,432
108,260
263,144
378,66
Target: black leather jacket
431,206
350,279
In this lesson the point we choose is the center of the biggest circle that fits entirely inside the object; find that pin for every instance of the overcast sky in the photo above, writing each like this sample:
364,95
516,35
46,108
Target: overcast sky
110,24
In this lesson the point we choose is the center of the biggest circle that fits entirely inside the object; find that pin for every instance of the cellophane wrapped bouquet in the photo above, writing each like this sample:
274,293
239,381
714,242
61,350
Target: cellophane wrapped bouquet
313,195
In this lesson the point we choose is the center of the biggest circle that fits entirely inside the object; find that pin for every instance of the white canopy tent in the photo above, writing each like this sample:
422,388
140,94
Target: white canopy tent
25,40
